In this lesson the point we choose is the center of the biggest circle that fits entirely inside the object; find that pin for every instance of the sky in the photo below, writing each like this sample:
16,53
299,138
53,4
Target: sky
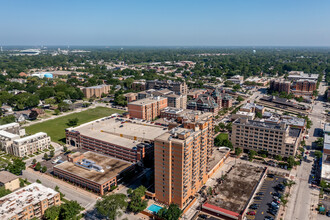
165,22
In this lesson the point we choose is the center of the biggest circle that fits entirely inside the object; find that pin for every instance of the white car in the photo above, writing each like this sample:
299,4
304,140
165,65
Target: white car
59,157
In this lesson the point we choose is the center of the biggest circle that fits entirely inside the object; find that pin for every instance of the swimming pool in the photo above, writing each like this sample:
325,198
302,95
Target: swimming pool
154,208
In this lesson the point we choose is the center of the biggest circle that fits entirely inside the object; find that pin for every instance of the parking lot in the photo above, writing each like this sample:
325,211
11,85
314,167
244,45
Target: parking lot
56,160
266,197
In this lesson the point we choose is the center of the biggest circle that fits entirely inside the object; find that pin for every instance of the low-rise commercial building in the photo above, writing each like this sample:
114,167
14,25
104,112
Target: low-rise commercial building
325,169
9,180
148,108
28,202
92,171
298,75
275,138
237,79
96,91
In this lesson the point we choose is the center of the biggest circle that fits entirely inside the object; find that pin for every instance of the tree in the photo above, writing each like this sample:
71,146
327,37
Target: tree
4,191
44,169
111,206
279,158
16,167
46,156
319,142
173,212
38,181
318,154
57,111
315,93
63,106
65,148
291,161
34,161
258,114
72,122
238,151
236,87
222,126
252,154
52,153
70,210
240,98
52,213
37,167
136,203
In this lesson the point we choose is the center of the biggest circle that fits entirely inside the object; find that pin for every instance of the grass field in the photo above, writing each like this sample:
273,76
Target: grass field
55,128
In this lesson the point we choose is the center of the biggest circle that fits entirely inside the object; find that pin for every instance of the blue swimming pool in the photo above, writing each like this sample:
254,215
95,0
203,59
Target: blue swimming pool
154,208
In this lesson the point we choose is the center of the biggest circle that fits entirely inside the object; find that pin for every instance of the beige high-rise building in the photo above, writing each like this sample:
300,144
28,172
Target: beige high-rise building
177,101
181,157
277,138
96,91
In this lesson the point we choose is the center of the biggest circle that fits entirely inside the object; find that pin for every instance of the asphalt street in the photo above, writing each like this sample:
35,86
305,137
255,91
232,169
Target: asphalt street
86,199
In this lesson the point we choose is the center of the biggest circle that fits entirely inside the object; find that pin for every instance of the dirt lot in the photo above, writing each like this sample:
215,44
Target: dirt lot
234,191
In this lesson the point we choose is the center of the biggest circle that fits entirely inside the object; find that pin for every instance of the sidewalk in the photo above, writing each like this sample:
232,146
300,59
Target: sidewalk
61,182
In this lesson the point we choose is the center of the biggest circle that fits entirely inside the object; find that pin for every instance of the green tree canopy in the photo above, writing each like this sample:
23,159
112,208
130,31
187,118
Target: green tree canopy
173,212
16,167
111,206
136,203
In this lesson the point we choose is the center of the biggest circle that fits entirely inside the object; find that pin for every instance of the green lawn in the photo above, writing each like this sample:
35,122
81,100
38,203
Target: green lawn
55,128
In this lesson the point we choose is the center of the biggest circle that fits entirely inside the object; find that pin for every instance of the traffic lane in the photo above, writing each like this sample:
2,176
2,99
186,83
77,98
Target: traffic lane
268,187
71,193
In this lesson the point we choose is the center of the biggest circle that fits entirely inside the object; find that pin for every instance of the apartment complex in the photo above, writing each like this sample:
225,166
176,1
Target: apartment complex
139,86
177,101
96,91
92,171
204,103
277,138
177,87
148,108
28,145
12,142
9,180
280,86
125,139
181,157
28,202
130,97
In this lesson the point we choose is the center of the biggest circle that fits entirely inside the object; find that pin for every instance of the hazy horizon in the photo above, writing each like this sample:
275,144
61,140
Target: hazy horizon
183,23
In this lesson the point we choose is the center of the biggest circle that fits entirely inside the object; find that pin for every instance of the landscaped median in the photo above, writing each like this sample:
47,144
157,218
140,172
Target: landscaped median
55,128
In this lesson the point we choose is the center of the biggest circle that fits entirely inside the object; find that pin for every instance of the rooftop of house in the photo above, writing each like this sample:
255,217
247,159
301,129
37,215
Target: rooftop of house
6,177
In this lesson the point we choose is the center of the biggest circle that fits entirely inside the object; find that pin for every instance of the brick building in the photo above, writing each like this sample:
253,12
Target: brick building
96,91
28,202
148,108
181,157
92,171
280,86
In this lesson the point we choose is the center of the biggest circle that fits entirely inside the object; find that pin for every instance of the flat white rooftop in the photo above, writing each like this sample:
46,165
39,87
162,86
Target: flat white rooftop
120,131
27,138
8,135
15,202
14,124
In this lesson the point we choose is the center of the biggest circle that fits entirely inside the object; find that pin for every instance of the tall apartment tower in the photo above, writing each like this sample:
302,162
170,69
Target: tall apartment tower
181,157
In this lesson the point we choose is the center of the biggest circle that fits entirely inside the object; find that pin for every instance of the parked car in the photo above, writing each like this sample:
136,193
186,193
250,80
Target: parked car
251,213
260,193
268,218
257,198
203,216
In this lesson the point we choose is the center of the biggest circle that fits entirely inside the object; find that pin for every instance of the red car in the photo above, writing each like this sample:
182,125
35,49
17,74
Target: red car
251,213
